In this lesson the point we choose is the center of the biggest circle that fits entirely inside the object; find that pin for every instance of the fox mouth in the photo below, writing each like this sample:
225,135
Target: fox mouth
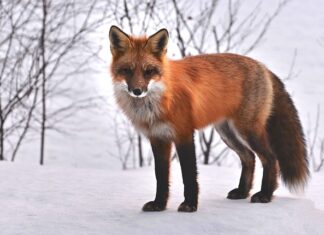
154,89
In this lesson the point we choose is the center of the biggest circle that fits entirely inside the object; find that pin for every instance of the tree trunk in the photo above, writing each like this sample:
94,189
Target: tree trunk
208,146
1,128
140,150
43,121
1,141
206,158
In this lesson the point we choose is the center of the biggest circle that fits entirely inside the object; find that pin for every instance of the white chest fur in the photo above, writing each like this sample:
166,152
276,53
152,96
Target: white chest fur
160,130
145,110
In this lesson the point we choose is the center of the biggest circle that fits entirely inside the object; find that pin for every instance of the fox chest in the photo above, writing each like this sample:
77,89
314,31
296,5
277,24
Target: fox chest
159,130
148,121
146,116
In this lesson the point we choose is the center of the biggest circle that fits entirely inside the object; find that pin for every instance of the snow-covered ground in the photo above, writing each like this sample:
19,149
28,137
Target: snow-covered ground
55,200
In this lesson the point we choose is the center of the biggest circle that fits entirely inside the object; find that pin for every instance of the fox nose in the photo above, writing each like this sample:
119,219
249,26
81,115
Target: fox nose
137,91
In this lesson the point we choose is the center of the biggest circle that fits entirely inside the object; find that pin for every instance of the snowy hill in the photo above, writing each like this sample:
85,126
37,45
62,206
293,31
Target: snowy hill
51,200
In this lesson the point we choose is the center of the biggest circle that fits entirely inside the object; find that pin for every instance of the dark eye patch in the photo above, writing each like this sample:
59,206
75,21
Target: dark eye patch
125,71
150,71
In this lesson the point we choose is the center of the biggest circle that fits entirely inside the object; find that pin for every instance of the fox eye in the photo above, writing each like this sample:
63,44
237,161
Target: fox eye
125,71
150,72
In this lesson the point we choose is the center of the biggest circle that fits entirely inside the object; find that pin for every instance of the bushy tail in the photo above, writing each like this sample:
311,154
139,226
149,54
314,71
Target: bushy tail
287,139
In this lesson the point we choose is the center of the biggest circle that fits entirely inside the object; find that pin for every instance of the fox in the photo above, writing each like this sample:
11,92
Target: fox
247,104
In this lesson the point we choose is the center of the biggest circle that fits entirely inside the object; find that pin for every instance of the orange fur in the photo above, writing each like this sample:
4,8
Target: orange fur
200,90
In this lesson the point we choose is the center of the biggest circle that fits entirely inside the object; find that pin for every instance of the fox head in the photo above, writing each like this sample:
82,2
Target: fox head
137,62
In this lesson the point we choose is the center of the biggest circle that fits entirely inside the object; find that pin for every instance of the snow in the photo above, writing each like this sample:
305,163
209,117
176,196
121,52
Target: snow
64,200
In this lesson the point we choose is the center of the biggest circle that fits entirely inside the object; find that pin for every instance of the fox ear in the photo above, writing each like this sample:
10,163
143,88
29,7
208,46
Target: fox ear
119,41
157,43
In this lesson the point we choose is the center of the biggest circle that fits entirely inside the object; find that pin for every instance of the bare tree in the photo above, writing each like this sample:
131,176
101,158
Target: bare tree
44,75
318,165
43,45
18,76
316,143
321,157
125,139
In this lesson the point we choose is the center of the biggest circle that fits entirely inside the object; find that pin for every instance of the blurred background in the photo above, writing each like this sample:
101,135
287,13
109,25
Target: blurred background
56,101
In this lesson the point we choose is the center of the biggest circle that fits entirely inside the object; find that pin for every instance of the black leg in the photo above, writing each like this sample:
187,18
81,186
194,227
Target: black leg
246,179
187,157
247,159
161,151
268,159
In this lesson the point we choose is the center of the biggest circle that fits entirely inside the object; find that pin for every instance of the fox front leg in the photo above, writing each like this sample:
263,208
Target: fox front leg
187,157
162,154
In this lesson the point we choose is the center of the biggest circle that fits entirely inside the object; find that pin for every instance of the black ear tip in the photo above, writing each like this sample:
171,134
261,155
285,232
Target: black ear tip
113,27
165,31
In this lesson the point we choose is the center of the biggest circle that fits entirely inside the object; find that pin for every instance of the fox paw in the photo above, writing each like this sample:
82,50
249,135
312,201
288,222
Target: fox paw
187,207
153,206
237,194
261,197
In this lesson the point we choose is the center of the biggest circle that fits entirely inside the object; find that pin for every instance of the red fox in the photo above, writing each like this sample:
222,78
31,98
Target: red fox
248,105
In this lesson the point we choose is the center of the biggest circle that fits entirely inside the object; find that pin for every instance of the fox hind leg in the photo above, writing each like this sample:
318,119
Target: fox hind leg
270,172
256,140
246,156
